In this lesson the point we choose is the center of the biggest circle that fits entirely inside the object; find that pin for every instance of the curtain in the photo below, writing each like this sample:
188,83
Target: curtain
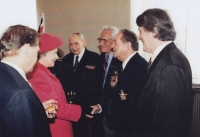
185,15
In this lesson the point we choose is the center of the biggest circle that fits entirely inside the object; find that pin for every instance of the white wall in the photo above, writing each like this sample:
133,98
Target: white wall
14,12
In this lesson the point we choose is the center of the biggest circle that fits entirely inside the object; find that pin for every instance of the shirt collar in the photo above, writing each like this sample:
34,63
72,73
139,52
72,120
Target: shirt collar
110,55
127,59
158,50
21,72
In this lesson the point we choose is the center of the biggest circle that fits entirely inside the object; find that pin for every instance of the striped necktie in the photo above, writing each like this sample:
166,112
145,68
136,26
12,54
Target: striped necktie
76,63
149,64
106,62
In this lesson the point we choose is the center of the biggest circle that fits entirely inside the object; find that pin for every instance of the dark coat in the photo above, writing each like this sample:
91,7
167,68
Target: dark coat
22,113
109,91
124,111
86,82
166,102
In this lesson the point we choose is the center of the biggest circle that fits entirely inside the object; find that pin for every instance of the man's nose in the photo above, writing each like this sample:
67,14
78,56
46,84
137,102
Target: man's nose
74,46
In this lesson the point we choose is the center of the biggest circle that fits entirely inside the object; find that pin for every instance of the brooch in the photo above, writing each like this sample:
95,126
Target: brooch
114,80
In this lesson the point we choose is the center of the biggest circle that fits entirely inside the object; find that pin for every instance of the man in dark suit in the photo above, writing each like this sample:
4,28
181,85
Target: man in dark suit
111,66
82,81
123,112
166,102
22,114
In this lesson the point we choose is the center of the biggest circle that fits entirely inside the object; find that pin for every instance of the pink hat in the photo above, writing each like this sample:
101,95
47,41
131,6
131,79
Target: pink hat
49,42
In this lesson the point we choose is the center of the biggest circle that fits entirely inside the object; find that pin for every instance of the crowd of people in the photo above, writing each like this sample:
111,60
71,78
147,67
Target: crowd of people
114,94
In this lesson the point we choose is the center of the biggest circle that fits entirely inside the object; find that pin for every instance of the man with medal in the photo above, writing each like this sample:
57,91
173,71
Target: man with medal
126,95
112,68
81,77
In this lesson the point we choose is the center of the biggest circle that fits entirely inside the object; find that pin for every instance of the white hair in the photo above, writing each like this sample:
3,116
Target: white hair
78,34
114,30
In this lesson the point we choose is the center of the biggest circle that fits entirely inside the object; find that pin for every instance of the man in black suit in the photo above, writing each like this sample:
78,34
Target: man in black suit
82,81
22,114
166,102
111,66
123,112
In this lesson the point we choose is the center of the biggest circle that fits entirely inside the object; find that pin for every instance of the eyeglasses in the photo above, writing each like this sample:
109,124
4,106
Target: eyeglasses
104,40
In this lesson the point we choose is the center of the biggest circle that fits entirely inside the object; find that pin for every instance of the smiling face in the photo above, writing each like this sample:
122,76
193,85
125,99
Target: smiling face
49,59
146,37
106,41
76,44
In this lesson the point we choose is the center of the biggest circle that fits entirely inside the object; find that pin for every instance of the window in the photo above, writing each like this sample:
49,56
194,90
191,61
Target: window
186,19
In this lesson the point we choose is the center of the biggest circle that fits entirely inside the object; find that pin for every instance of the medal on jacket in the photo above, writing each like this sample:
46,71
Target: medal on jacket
122,95
114,79
71,95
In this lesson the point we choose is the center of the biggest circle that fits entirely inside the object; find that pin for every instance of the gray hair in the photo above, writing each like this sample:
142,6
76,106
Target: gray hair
114,30
78,34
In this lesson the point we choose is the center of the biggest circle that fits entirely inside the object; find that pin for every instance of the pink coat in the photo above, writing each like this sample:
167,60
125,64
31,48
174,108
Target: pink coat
47,86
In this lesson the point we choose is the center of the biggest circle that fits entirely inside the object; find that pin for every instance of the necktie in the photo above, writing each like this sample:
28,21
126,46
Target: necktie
76,63
105,66
149,64
106,62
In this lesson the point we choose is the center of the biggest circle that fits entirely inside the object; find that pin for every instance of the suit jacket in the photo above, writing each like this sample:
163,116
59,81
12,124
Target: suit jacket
47,86
124,111
22,113
109,91
86,81
166,102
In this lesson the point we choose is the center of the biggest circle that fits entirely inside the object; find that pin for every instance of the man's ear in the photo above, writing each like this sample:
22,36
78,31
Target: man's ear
84,43
26,49
129,45
155,31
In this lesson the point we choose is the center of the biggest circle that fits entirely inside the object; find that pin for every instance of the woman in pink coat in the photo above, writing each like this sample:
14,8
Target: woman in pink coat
47,86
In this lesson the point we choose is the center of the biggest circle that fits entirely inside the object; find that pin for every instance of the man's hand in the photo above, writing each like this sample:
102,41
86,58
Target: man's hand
95,109
50,107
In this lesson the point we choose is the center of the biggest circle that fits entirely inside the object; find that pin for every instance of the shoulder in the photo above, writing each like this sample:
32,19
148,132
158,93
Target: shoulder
173,56
116,61
91,53
67,57
140,60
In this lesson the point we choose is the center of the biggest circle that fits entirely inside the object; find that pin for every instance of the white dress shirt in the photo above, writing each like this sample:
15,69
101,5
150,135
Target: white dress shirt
79,56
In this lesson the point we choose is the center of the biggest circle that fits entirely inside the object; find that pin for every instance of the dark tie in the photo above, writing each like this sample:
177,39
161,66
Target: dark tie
149,64
106,62
76,63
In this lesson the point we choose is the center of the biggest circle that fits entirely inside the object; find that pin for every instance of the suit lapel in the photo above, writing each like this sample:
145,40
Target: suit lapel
131,61
83,59
158,58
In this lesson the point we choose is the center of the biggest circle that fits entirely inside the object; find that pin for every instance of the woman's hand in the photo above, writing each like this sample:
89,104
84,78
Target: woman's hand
50,107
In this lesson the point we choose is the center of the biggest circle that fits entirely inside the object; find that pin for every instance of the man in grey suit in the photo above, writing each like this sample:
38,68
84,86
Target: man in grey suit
22,114
166,102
